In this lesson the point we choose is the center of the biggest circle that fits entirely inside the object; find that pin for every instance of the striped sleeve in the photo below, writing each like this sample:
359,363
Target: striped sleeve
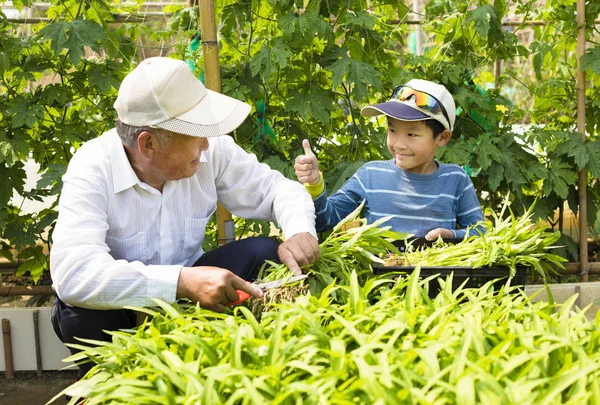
469,210
330,210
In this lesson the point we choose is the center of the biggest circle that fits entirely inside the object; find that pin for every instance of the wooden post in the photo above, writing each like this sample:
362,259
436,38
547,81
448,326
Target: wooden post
8,357
38,348
210,51
582,181
419,30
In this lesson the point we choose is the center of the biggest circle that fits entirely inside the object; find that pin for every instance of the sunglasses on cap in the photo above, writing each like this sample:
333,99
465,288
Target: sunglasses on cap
422,100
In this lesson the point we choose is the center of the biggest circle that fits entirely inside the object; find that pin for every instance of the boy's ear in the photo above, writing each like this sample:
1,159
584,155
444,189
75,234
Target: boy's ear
444,137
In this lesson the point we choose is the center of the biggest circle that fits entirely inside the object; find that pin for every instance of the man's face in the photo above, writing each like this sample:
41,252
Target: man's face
412,145
178,156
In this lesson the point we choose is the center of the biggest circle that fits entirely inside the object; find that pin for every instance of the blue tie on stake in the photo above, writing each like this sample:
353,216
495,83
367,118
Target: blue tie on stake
192,49
264,128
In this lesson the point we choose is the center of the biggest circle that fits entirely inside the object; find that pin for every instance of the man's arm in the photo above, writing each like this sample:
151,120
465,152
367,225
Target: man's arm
251,189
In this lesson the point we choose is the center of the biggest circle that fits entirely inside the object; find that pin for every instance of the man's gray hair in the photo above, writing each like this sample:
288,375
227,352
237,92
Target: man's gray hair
129,133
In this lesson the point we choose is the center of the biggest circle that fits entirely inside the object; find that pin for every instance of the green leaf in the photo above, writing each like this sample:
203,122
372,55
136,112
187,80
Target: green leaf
103,78
268,58
560,176
5,192
495,175
361,74
284,167
35,266
457,152
51,176
591,60
481,17
593,152
4,62
24,113
73,36
578,150
487,153
340,173
361,19
317,104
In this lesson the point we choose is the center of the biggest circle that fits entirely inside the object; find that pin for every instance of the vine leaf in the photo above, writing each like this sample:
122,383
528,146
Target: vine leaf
361,19
341,172
560,176
482,17
316,104
591,60
74,36
268,58
359,73
593,150
24,113
487,153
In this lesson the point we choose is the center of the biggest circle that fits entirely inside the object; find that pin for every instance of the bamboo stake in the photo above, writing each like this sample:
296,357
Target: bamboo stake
8,357
38,349
582,181
210,51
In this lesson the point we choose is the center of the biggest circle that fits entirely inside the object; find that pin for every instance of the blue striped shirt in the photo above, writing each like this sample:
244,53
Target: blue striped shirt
417,203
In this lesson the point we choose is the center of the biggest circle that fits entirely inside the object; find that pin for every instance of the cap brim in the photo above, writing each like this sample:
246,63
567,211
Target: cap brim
395,109
215,115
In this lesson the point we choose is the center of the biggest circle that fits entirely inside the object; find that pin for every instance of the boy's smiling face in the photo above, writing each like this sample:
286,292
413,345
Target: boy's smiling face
413,146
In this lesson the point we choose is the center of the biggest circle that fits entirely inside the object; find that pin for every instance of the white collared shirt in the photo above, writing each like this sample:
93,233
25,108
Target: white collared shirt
120,242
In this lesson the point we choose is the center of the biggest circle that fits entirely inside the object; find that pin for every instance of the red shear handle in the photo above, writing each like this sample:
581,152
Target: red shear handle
242,296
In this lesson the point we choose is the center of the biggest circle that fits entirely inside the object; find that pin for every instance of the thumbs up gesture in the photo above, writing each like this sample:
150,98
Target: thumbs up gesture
307,165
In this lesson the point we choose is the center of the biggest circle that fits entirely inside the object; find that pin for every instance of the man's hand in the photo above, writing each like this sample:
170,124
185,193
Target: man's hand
213,287
299,250
437,232
307,165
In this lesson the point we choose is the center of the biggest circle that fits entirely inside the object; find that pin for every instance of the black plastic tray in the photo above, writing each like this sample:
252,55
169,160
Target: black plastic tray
418,242
474,277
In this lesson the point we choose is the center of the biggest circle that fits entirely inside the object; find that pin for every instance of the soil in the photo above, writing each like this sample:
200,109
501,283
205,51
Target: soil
29,389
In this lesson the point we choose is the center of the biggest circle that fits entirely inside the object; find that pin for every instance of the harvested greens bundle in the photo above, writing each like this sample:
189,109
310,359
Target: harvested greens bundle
344,251
512,242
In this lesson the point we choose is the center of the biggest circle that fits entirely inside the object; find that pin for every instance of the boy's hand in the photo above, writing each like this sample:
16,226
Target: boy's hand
437,232
307,165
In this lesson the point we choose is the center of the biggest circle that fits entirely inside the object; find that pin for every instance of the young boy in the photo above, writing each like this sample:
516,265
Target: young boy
424,197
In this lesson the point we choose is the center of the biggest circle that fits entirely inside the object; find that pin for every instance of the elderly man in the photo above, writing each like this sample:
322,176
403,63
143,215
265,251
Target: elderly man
136,201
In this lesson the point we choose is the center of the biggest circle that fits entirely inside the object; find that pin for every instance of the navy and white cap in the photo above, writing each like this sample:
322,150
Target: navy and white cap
408,111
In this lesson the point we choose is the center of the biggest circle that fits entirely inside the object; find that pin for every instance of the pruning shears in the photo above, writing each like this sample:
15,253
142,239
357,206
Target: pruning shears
243,295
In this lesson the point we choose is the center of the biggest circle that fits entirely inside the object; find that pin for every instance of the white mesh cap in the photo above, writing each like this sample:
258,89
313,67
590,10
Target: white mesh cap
409,111
164,93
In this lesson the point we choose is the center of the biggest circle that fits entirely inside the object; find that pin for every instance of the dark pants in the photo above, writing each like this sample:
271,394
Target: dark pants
243,257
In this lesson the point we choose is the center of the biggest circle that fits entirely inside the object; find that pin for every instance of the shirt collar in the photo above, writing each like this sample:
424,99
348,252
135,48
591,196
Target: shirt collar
122,173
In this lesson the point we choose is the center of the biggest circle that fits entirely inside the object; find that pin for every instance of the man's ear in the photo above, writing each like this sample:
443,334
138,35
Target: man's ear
147,143
444,137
